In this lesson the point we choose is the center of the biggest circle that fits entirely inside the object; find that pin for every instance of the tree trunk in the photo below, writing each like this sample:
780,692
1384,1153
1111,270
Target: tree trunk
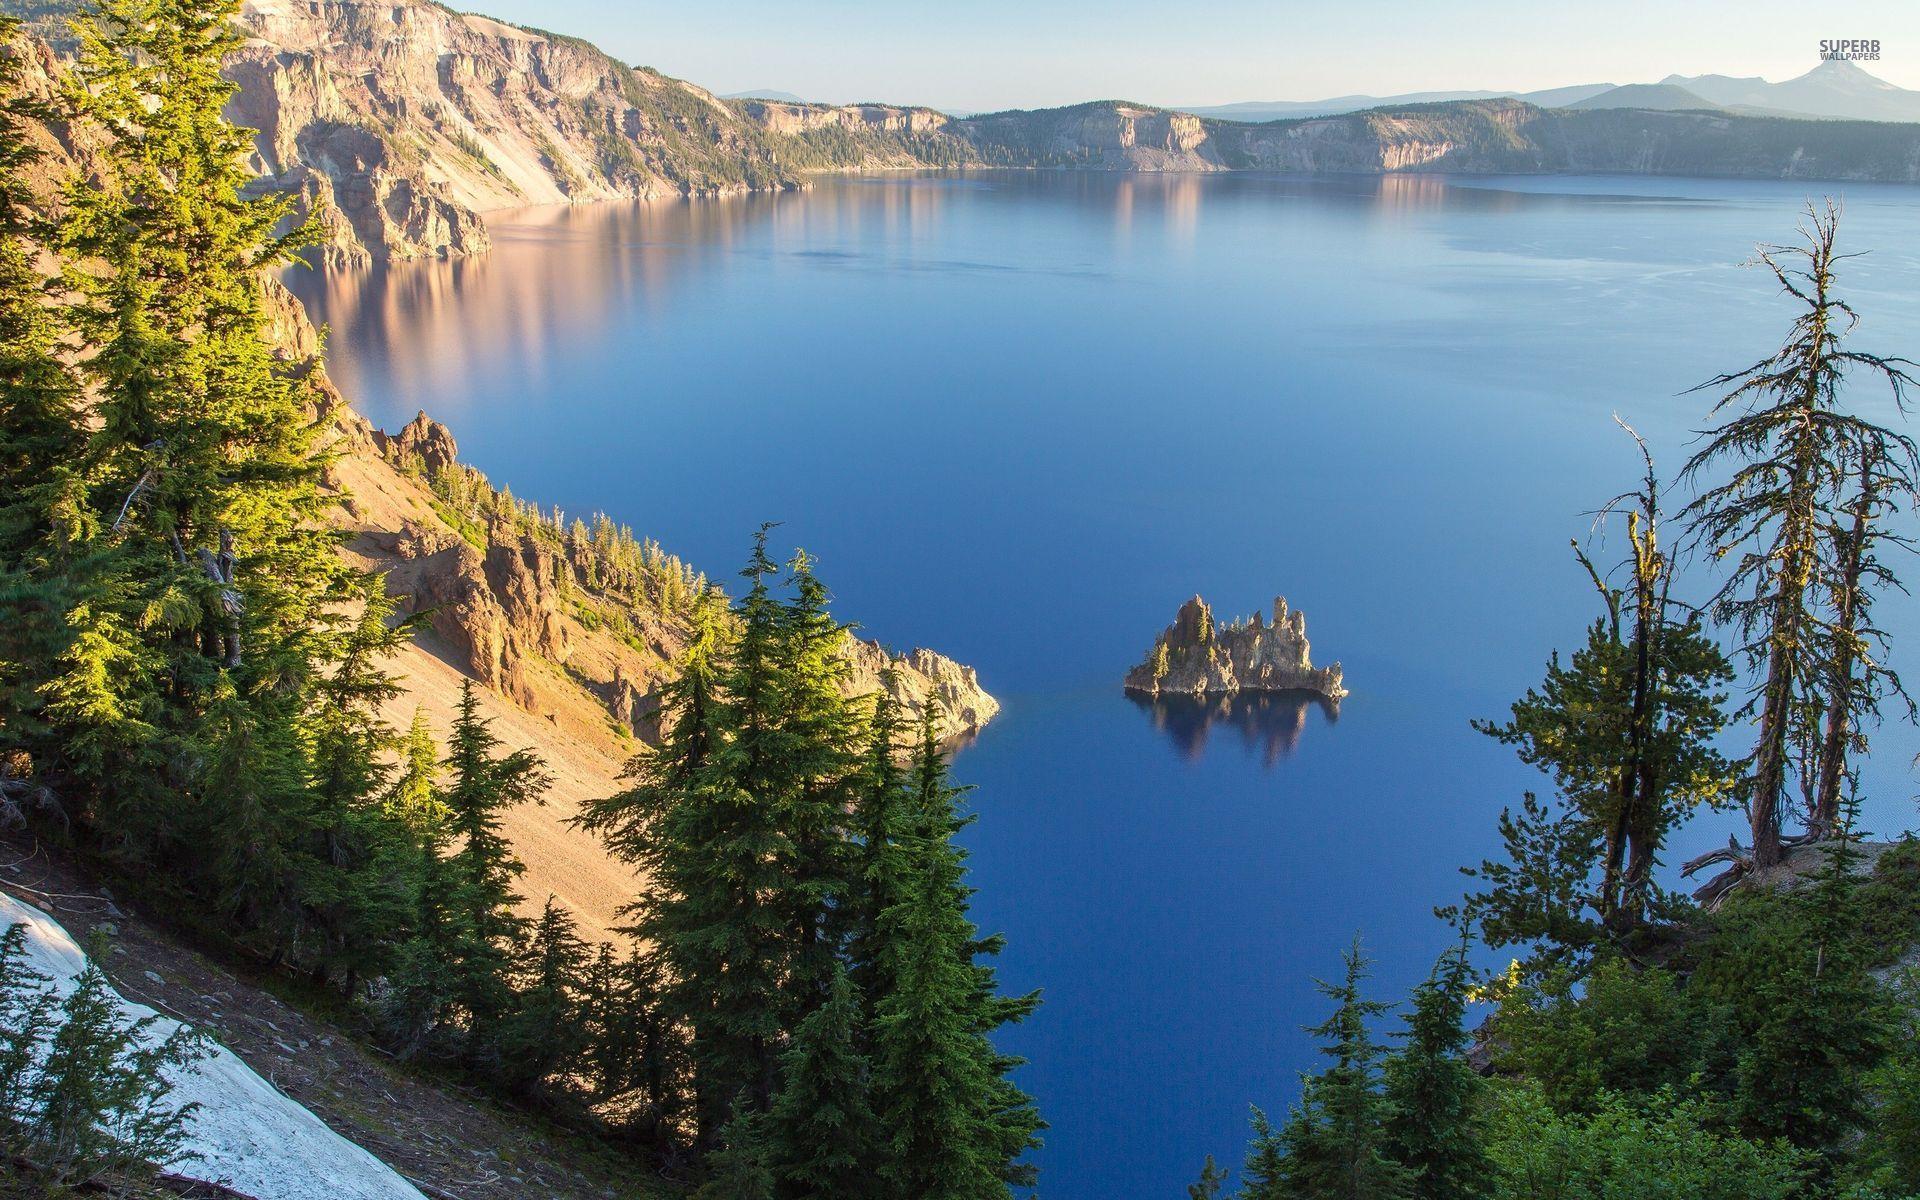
1825,817
1770,753
1635,823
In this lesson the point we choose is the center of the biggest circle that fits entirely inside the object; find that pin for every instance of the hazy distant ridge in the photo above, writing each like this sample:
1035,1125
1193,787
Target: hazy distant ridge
1277,110
1834,89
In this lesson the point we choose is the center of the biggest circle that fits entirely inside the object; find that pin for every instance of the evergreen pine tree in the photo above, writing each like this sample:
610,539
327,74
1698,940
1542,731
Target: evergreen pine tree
710,850
739,1168
1808,1013
757,774
1263,1175
482,867
426,975
823,1135
41,432
44,514
1336,1137
1433,1097
958,1125
358,879
656,1049
415,798
1212,1180
256,812
880,806
823,735
1892,1145
100,1098
422,983
606,1028
214,572
632,1062
545,1036
1795,450
1625,727
27,1007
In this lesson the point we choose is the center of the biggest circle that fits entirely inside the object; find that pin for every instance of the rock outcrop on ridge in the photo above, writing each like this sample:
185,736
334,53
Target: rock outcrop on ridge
1196,656
549,615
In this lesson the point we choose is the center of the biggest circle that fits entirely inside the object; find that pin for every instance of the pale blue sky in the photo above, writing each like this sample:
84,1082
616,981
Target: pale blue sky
1017,53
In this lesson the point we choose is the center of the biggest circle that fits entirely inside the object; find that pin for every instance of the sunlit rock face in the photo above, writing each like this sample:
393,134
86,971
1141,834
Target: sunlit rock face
919,680
397,123
1195,656
522,613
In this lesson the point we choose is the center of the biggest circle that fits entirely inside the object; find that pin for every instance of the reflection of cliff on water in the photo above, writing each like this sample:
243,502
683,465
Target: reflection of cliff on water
1267,723
553,275
572,282
557,277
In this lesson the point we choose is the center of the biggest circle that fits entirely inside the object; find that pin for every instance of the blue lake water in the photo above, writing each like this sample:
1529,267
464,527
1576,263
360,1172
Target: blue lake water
1021,417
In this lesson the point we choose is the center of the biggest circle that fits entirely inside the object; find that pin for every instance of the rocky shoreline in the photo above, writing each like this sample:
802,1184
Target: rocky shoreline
1196,656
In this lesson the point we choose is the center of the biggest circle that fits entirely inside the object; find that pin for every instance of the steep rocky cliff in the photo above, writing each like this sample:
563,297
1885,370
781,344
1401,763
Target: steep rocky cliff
1196,656
410,119
400,121
1511,136
1464,136
858,137
1514,137
1106,135
920,677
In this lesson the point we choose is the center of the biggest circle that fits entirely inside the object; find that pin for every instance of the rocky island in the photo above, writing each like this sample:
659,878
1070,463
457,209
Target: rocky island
1197,657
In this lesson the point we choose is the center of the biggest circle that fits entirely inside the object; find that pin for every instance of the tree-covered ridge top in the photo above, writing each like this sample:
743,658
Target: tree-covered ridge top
581,621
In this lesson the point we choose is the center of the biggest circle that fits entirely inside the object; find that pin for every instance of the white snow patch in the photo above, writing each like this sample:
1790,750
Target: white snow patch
249,1137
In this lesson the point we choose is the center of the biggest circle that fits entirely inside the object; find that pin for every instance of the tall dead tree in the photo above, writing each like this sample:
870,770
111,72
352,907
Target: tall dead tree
1791,451
1859,678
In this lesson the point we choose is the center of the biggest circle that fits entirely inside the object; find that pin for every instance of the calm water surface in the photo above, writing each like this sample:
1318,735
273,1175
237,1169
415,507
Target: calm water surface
1019,418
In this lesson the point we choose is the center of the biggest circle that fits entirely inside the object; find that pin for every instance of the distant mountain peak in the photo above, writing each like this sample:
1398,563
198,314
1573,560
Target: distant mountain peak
1689,81
1662,96
1834,88
1845,67
1840,72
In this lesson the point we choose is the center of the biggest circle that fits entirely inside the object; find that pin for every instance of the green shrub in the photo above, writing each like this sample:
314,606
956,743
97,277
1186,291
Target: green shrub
1661,1146
1625,1030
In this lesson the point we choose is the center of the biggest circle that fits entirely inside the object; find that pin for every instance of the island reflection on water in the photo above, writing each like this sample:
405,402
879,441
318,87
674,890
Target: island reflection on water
1268,723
